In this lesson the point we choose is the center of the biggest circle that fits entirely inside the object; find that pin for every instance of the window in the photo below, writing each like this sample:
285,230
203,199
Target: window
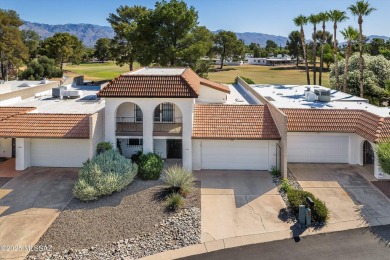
134,142
138,114
164,113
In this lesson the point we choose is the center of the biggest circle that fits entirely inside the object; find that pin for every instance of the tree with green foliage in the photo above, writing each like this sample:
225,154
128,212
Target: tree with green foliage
102,49
377,44
40,68
328,55
324,18
126,44
271,46
32,41
350,35
13,52
383,154
227,45
301,21
360,9
294,45
336,16
376,75
314,20
196,45
63,47
256,49
88,54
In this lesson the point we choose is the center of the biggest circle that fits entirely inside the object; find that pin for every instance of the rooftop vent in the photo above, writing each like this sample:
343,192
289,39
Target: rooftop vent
323,95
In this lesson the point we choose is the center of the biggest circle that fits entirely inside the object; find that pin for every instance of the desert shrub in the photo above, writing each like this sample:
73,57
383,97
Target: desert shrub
285,186
105,174
383,154
275,172
174,201
320,212
150,166
103,146
178,179
247,80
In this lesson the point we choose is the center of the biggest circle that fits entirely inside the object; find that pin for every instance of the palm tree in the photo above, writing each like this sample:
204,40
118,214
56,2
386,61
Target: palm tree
301,21
314,20
360,9
350,35
324,17
336,16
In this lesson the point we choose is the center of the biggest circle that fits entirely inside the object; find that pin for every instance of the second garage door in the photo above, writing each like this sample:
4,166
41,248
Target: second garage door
318,148
235,155
59,152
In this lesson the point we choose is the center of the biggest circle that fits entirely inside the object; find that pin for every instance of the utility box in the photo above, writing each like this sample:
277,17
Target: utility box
308,216
302,215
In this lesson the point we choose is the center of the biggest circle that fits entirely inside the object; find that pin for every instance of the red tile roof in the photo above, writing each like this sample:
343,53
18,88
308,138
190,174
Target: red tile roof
7,112
233,122
214,85
185,85
36,125
363,123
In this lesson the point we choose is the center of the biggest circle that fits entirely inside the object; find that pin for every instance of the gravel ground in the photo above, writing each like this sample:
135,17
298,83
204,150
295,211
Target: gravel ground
4,180
130,214
383,186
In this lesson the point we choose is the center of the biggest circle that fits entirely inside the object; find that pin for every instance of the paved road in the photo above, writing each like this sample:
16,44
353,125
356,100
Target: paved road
351,244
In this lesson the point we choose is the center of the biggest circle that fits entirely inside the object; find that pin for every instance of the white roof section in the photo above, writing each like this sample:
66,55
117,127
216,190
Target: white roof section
88,103
157,72
15,85
293,96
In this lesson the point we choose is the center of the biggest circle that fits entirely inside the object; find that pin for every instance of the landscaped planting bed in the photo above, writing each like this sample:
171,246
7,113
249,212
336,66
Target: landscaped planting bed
131,223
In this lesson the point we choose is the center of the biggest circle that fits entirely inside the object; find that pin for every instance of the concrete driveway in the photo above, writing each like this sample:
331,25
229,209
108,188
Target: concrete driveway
344,190
238,203
29,203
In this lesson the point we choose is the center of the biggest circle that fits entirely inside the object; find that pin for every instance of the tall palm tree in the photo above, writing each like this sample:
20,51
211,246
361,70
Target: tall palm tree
350,35
360,9
336,16
324,17
314,20
301,21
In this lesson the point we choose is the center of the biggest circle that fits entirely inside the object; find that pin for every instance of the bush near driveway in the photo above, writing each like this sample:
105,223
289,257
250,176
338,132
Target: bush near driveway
178,179
150,166
105,174
383,154
320,212
103,146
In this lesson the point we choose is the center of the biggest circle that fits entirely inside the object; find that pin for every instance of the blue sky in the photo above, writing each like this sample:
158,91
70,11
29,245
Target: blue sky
265,16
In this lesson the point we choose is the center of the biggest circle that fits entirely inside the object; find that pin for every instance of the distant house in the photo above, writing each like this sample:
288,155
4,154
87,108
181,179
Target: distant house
271,61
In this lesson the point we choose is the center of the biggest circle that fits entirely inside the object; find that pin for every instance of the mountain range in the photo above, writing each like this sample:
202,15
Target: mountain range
90,33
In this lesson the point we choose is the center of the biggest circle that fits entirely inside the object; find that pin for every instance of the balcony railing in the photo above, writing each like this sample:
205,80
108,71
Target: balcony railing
129,126
169,126
133,126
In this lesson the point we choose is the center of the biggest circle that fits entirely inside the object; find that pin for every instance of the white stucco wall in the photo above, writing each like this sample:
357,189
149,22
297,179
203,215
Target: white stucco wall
235,149
129,150
210,95
96,126
147,106
6,147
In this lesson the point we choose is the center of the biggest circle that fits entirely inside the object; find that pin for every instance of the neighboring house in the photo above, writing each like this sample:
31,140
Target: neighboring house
206,125
327,126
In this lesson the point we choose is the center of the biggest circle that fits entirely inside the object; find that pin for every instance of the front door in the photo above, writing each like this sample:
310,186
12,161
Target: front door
174,148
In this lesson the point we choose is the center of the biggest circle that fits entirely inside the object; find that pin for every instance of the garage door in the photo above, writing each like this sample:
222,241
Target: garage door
235,155
318,148
59,152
